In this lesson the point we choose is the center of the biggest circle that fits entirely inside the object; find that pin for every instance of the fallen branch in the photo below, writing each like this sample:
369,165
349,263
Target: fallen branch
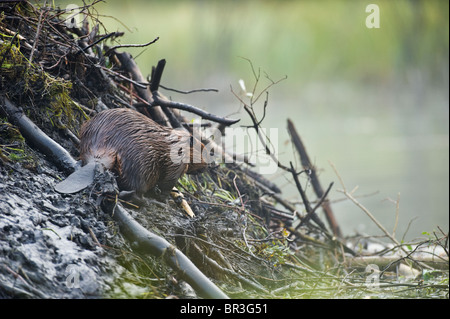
150,243
36,137
386,261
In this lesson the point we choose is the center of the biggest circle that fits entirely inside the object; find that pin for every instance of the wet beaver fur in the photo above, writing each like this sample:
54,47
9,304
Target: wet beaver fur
144,155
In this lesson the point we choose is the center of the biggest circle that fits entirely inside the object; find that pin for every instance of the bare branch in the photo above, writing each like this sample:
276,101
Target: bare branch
131,45
188,92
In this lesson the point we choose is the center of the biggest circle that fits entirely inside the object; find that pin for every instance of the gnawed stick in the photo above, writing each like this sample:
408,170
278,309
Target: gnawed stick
179,199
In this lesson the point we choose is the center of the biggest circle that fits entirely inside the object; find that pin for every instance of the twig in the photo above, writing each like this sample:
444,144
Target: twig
349,195
239,193
160,100
229,272
310,212
38,31
445,245
139,85
188,92
243,211
131,45
397,211
96,42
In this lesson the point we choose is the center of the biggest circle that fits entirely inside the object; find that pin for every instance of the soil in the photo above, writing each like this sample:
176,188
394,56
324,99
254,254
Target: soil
46,243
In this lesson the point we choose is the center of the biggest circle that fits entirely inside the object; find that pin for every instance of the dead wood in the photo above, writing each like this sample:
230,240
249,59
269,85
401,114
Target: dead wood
149,243
307,165
129,66
36,137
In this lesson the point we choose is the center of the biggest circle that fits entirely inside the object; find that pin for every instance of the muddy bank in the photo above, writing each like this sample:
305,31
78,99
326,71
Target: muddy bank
47,248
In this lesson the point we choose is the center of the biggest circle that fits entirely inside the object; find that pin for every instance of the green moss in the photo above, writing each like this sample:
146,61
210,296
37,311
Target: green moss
12,144
35,87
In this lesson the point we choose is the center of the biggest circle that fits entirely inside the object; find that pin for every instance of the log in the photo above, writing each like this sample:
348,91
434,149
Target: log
37,138
157,246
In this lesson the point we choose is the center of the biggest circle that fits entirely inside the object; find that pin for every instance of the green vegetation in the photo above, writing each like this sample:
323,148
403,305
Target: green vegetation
12,145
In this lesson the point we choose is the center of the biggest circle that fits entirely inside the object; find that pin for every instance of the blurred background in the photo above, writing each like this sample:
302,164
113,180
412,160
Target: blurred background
375,102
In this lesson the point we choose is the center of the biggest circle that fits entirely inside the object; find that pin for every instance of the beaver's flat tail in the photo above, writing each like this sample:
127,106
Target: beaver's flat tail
78,180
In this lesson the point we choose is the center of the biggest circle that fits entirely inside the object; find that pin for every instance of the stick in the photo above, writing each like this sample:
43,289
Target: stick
311,214
179,199
38,31
130,66
163,101
36,137
96,42
131,45
306,163
156,75
188,92
319,203
364,209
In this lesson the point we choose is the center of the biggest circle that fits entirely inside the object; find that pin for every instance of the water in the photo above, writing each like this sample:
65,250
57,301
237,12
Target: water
387,144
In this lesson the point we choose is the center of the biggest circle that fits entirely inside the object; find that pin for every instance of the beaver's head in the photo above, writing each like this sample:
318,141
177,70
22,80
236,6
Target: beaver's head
186,149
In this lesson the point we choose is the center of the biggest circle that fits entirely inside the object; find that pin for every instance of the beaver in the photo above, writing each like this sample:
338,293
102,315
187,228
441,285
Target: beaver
144,155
